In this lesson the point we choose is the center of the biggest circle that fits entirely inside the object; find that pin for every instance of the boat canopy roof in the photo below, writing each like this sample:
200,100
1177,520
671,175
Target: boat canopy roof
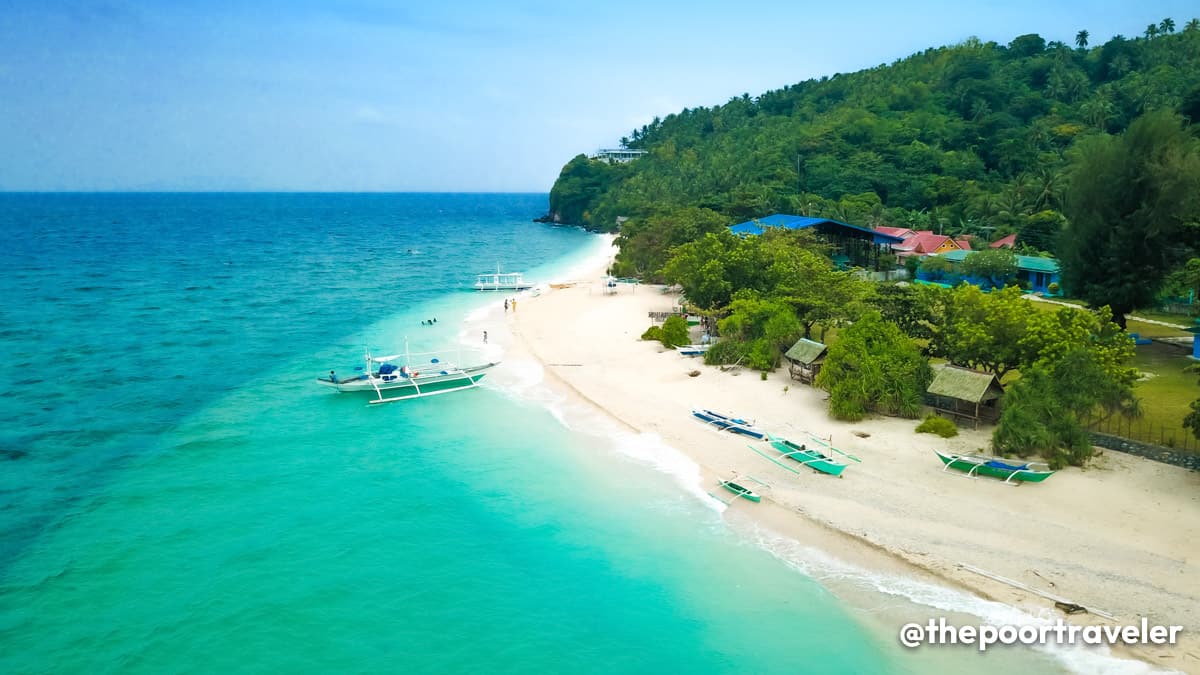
385,359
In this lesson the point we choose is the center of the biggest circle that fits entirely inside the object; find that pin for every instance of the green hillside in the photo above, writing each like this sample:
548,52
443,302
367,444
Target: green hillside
971,138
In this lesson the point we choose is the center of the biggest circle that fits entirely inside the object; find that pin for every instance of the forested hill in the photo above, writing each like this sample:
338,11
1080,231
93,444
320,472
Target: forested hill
971,138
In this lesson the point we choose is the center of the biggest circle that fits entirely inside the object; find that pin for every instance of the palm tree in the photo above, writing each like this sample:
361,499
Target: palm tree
1167,25
1151,31
1081,39
1192,25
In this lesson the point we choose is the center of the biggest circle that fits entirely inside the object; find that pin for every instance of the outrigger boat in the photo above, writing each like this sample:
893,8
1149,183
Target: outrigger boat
739,487
502,281
814,457
1012,474
726,423
692,350
429,375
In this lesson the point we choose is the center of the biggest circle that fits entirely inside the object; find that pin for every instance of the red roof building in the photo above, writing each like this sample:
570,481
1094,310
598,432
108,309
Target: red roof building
925,242
1005,242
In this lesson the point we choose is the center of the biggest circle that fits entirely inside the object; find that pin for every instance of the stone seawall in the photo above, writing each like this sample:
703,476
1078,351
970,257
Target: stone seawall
1188,460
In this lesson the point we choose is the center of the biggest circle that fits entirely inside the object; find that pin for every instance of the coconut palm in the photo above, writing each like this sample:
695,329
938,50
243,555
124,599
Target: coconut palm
1081,39
1192,25
1167,25
1151,31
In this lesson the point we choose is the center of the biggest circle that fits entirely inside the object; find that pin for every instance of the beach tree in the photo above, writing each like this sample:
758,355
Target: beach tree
1081,39
1132,204
765,326
1043,411
909,306
646,242
703,269
982,331
874,366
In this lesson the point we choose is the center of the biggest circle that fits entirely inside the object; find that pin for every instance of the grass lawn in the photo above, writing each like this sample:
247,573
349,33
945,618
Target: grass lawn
1166,395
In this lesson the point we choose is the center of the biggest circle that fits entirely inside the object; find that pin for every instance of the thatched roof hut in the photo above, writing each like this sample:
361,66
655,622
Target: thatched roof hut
965,393
806,358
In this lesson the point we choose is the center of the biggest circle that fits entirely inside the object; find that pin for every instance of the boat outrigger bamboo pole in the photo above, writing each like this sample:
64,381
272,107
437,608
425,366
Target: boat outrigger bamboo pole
1030,589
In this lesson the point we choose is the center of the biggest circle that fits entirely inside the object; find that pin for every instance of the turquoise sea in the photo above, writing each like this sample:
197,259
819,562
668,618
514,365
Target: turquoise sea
178,495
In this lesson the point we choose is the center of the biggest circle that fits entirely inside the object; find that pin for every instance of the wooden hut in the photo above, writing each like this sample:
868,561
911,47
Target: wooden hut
806,358
969,394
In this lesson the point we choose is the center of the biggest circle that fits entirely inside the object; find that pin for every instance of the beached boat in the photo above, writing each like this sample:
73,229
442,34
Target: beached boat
502,281
405,376
817,454
975,465
692,350
740,486
727,423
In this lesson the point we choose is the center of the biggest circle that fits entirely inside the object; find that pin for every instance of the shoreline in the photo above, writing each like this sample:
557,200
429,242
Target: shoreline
1081,535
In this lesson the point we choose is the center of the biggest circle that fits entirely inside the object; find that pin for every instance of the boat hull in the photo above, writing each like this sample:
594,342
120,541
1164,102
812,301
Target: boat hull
502,287
809,457
978,466
403,386
737,426
743,492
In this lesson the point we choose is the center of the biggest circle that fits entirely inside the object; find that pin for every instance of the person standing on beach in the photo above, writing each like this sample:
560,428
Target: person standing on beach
485,337
514,305
506,305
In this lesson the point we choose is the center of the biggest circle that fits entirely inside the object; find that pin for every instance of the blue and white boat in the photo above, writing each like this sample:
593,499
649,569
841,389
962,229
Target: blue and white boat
727,423
406,376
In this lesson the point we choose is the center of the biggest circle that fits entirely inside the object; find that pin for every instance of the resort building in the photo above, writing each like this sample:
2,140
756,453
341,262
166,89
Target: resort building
1033,273
1005,242
617,155
923,242
853,245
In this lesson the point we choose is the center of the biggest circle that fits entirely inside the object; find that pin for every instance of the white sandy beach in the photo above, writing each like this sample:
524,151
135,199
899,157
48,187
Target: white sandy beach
1122,535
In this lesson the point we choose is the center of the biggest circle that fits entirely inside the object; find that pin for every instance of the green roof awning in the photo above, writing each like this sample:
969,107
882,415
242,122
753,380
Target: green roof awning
965,385
1029,263
805,351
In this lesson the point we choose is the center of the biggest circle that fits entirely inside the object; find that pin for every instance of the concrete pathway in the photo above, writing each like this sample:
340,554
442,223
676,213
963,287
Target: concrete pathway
1129,317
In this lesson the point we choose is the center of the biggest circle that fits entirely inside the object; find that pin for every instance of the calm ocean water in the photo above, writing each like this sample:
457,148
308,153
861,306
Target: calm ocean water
176,494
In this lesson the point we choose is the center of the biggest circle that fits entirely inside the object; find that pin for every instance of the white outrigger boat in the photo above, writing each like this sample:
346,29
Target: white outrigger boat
403,378
502,281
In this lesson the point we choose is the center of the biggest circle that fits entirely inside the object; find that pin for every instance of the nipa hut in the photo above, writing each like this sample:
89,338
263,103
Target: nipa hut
806,358
969,394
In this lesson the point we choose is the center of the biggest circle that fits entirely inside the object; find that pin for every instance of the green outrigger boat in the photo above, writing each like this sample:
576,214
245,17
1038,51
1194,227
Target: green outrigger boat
814,458
738,486
975,465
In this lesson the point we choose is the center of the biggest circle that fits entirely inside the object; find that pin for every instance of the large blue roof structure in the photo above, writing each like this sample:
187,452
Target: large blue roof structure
799,222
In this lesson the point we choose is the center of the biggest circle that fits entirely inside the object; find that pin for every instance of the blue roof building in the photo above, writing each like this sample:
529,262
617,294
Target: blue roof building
861,245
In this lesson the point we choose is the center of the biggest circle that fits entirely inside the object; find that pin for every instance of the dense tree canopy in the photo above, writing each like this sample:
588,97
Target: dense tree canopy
874,366
1134,209
969,138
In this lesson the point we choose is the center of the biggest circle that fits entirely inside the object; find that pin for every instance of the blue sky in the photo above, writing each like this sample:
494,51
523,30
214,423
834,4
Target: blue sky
457,96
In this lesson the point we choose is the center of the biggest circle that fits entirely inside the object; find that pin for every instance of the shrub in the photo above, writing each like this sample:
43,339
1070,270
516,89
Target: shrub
941,426
1053,288
675,332
725,352
874,366
652,333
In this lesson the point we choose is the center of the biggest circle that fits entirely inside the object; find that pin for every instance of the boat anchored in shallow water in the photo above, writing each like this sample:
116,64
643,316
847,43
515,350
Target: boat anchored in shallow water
502,281
405,376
